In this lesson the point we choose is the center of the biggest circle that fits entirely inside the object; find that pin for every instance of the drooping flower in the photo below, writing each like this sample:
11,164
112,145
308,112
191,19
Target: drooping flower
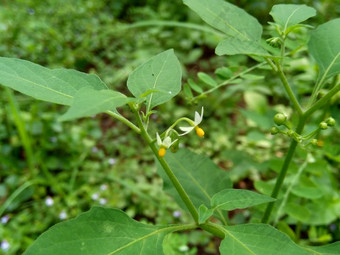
163,145
196,122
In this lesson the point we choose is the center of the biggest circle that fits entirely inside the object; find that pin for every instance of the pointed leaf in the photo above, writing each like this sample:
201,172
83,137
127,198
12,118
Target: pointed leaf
329,249
251,239
231,199
234,46
100,231
287,15
88,102
199,176
227,18
162,74
204,213
52,85
324,46
207,79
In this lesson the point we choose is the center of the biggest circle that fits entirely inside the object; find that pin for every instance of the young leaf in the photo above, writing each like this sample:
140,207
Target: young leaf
88,102
207,79
52,85
227,18
162,73
204,213
199,176
234,46
231,199
224,72
258,239
324,46
194,86
100,231
287,15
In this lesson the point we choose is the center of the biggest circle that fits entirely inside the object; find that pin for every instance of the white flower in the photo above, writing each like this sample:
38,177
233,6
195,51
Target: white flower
102,201
95,196
4,219
5,245
112,161
49,201
103,187
197,121
63,215
163,145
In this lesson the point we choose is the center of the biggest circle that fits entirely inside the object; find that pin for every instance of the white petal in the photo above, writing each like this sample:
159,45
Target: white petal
186,129
159,141
173,142
167,142
198,118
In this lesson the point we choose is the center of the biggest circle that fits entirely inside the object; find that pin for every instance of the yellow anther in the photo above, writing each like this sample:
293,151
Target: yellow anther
161,152
199,131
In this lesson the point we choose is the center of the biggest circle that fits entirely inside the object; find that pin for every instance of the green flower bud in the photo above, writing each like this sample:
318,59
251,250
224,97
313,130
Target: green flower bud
279,119
314,141
330,121
174,147
323,125
290,133
274,130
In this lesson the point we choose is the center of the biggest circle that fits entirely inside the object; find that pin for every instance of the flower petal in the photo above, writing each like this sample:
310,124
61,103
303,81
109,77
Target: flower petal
198,118
186,129
159,141
167,142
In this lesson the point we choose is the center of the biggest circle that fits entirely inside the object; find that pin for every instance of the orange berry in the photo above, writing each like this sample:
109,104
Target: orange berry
199,131
161,152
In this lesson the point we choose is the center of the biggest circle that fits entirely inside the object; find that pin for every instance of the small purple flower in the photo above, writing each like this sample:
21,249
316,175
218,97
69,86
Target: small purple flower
103,187
176,214
95,196
49,201
53,139
5,245
4,219
94,149
102,201
112,161
62,215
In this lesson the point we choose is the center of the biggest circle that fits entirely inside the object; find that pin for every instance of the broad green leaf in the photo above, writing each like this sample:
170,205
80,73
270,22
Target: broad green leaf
195,86
227,18
258,239
52,85
231,199
199,176
161,74
324,46
207,79
100,231
88,102
329,249
224,72
234,46
287,15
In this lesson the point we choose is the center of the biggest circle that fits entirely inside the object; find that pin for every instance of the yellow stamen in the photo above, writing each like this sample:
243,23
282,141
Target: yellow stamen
161,152
199,131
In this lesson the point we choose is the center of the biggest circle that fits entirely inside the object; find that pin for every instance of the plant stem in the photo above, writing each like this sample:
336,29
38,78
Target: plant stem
124,120
182,193
284,169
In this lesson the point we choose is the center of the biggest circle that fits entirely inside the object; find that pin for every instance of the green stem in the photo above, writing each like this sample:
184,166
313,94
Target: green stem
124,120
288,89
284,169
213,228
182,193
230,80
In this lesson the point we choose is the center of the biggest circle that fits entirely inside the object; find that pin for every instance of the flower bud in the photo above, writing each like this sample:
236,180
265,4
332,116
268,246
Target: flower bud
323,125
330,121
274,130
279,119
314,141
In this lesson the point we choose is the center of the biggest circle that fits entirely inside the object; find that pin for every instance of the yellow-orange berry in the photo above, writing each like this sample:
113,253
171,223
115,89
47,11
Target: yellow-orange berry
199,131
161,152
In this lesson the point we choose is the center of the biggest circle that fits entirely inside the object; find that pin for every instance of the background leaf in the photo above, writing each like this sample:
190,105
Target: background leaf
330,249
88,102
100,231
287,15
227,18
324,46
162,73
199,176
257,239
52,85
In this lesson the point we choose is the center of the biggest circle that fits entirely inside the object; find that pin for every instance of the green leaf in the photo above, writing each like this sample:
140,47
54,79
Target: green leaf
287,15
227,18
100,231
204,213
231,199
88,102
234,46
298,212
207,79
258,239
200,177
329,249
162,73
52,85
324,46
224,72
194,86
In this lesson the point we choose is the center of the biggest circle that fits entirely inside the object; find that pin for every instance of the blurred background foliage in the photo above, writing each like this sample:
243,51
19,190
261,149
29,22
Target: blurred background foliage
52,171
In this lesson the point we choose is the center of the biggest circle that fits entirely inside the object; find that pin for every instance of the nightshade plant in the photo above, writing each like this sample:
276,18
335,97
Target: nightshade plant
195,181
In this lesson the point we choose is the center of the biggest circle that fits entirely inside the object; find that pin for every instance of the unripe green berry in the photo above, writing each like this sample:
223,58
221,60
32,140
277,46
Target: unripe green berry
279,119
323,125
274,130
314,141
290,133
330,121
